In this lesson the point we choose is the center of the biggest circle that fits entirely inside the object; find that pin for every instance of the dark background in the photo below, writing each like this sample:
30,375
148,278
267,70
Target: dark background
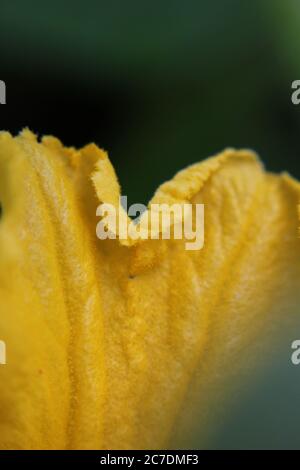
161,85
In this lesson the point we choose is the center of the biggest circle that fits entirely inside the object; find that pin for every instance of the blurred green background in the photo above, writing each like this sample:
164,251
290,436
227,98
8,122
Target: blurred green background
161,85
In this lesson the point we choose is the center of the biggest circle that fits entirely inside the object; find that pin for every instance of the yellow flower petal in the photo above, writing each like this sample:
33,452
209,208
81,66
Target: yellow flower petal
115,344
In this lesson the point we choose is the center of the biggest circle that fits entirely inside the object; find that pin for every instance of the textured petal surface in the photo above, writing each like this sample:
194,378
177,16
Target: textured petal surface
125,345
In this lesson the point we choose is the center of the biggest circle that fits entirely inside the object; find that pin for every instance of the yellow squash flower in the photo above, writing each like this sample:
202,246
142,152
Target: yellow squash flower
118,346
